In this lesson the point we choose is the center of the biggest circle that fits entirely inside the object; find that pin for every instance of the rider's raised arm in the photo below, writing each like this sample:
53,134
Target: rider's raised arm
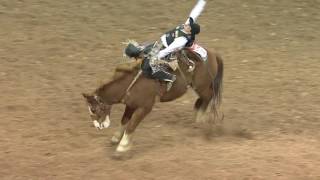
177,44
196,11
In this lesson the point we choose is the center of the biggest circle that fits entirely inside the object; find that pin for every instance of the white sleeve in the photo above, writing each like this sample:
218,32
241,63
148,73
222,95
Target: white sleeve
196,11
177,44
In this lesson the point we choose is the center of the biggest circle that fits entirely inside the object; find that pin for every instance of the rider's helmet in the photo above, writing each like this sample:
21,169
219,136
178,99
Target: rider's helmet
195,28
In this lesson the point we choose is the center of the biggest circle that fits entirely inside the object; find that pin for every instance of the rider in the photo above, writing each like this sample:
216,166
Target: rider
176,39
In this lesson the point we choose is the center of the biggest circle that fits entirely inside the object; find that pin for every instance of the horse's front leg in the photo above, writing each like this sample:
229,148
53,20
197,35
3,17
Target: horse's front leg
126,140
125,118
118,135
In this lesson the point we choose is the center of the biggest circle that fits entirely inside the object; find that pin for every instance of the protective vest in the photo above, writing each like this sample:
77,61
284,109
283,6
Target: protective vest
177,32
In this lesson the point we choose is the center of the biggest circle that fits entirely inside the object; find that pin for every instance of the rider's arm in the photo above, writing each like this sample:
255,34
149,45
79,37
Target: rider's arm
196,11
177,44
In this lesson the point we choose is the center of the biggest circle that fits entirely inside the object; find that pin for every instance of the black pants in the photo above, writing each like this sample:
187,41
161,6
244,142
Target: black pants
161,74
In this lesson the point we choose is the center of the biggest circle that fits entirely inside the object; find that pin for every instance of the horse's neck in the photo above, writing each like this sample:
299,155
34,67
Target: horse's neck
115,90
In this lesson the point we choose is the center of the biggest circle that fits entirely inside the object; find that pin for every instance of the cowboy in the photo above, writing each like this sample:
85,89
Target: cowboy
176,39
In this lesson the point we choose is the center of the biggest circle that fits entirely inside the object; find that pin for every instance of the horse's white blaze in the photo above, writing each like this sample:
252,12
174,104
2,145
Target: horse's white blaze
106,122
90,111
124,144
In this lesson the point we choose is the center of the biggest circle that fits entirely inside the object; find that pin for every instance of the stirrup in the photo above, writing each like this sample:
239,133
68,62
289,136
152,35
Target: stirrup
169,85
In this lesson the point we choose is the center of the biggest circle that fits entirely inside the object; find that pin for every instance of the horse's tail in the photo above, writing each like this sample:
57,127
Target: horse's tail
217,86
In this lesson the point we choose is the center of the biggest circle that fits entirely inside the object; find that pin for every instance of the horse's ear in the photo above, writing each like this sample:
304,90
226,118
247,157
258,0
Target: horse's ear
85,95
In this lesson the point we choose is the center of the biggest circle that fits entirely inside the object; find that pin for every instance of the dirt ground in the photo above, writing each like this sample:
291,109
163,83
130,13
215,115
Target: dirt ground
52,51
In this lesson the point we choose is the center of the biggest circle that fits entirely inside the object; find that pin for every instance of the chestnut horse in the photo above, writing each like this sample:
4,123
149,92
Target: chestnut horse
206,80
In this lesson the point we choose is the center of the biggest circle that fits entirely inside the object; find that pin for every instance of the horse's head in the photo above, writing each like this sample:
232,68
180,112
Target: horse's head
99,111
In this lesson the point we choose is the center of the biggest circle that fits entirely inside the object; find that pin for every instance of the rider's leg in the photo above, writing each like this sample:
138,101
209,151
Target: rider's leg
146,68
154,70
165,76
157,69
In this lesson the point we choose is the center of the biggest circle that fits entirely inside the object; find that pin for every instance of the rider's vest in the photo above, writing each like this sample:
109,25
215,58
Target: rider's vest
177,32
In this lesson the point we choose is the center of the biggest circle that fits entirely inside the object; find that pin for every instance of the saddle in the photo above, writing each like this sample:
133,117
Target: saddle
143,55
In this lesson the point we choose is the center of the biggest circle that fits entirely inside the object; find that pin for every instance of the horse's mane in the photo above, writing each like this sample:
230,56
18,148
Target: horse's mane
120,73
128,66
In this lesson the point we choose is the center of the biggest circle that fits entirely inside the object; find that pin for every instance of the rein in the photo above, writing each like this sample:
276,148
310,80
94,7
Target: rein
185,58
130,86
127,93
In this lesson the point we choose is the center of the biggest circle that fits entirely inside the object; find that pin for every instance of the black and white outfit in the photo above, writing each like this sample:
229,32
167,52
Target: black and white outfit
175,40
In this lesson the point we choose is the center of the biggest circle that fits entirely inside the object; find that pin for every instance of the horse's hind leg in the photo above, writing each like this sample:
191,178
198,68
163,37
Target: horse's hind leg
200,108
138,115
201,105
125,118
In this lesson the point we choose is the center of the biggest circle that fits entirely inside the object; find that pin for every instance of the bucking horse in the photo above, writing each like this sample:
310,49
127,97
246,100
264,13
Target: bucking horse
139,92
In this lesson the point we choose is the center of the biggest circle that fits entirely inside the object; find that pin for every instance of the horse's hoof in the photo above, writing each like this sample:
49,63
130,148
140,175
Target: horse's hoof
121,155
124,148
114,140
113,143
